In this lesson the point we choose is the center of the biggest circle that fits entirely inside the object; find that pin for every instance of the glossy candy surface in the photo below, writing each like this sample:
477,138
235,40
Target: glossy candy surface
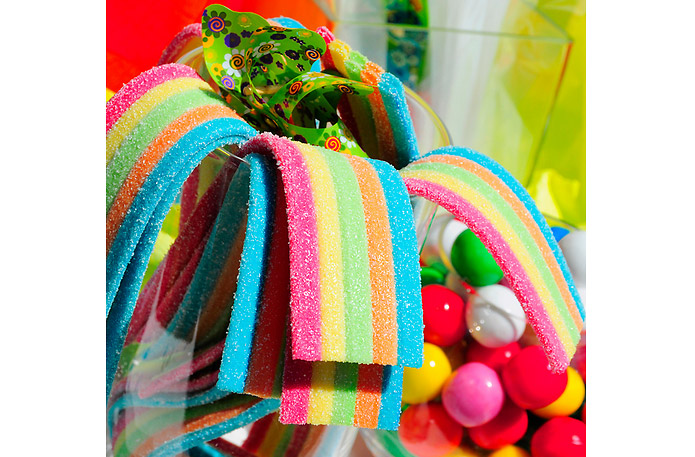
510,451
443,315
528,380
426,430
495,358
504,429
472,261
494,316
423,384
570,400
560,437
473,395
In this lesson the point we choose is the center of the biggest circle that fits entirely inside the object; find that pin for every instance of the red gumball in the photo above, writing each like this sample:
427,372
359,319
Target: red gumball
443,313
507,427
528,380
426,430
560,437
495,358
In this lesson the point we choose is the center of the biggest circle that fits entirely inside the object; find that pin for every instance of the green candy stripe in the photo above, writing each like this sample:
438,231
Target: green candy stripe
284,441
155,420
356,282
520,229
147,130
345,393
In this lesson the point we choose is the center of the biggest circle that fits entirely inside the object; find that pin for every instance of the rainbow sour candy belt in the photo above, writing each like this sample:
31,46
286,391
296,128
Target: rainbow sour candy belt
292,283
500,212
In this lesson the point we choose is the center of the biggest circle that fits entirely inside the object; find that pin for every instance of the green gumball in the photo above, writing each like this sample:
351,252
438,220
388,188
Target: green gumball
431,275
473,262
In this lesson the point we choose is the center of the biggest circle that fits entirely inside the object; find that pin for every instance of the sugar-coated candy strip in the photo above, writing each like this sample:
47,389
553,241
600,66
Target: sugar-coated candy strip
406,270
361,395
143,108
309,173
129,260
146,131
380,121
485,197
264,373
303,240
186,40
133,179
381,269
140,85
206,430
252,269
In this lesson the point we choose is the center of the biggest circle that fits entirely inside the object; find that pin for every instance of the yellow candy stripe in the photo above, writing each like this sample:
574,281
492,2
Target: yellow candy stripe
322,391
521,251
330,254
138,110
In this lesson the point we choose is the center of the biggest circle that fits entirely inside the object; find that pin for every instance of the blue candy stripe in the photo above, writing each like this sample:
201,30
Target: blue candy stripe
128,258
252,270
528,202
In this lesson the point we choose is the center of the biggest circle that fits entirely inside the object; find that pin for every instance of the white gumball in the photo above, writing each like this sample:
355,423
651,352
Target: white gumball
573,247
447,237
430,251
494,316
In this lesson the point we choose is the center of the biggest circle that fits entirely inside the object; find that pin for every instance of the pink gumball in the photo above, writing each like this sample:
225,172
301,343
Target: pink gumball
473,395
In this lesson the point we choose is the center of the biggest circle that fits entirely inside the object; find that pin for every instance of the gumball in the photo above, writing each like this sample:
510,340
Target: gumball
560,437
426,430
510,451
495,358
494,316
454,282
463,451
447,237
456,354
473,395
429,275
574,249
443,315
528,380
559,232
472,261
507,427
570,400
423,384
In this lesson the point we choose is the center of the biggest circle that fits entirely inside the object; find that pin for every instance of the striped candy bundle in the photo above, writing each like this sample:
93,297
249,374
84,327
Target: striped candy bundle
294,276
328,233
380,122
500,212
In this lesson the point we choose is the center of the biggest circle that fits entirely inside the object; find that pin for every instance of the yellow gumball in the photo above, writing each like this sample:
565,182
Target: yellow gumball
510,451
463,452
423,384
570,400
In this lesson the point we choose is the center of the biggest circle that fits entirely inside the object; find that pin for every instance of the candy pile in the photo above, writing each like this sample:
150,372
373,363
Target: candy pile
250,273
485,388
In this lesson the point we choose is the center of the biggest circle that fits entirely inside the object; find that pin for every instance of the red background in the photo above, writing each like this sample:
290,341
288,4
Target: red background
137,31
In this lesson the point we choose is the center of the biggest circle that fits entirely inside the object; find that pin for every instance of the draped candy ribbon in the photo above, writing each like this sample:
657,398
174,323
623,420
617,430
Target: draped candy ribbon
323,246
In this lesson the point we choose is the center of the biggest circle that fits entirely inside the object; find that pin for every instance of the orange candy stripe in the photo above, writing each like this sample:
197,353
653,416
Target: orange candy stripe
156,440
524,215
371,74
381,269
368,400
149,159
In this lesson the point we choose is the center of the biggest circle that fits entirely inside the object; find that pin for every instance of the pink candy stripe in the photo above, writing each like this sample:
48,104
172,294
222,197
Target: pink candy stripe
180,41
184,371
140,85
305,301
514,272
296,391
